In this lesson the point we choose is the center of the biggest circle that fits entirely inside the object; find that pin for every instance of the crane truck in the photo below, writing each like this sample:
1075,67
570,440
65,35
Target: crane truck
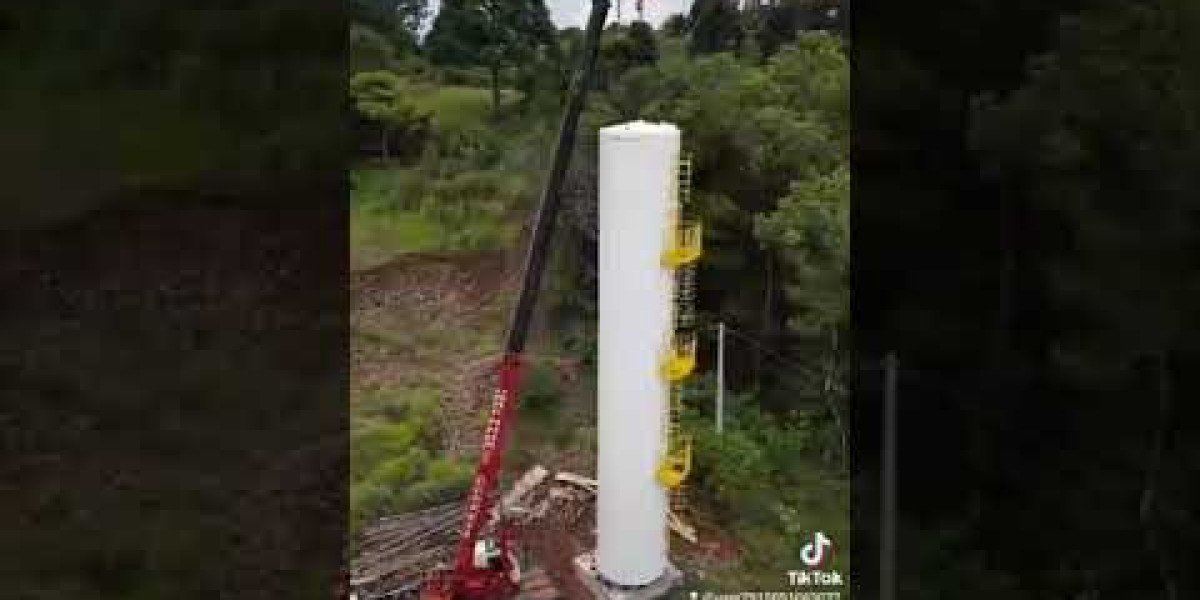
485,567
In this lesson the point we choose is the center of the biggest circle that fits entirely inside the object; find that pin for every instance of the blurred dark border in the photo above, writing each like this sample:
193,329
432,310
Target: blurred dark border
173,340
1026,223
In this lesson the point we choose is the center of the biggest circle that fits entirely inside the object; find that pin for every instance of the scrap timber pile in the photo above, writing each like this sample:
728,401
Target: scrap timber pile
395,551
555,516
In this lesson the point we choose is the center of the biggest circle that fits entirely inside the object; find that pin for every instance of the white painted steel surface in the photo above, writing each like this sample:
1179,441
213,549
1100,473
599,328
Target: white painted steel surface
637,198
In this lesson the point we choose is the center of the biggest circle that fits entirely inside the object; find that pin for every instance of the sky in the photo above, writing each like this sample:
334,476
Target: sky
573,13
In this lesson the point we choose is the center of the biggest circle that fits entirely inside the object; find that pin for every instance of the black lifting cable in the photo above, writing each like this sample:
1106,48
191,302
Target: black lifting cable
872,365
807,372
804,370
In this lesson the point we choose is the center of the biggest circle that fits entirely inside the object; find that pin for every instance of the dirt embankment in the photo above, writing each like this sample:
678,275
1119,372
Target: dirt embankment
432,321
437,322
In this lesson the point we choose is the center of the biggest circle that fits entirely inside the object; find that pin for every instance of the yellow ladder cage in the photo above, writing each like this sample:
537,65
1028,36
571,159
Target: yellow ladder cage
676,464
680,360
686,245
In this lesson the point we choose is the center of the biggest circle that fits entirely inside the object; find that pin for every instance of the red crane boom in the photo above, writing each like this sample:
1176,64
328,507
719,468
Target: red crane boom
486,569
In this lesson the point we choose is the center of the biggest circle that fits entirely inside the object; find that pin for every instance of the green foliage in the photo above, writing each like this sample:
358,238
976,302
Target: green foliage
387,188
385,216
636,93
473,208
417,405
625,48
810,230
370,50
1076,274
379,441
457,35
382,96
449,200
496,34
761,126
766,480
396,17
460,112
736,471
675,25
778,24
444,481
1112,116
541,390
392,464
643,46
378,95
543,78
396,211
813,75
405,484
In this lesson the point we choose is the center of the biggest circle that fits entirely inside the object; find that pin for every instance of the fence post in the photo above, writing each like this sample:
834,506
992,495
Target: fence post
887,547
720,377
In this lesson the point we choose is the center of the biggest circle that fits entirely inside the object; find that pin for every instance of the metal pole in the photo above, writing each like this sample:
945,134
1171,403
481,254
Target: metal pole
720,377
887,547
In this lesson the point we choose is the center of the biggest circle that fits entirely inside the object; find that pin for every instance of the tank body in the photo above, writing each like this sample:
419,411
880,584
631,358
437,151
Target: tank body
637,199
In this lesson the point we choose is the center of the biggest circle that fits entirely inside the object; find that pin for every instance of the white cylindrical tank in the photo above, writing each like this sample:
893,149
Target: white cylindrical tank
638,165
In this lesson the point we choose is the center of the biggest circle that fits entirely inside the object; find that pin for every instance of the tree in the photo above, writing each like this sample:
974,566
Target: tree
642,44
779,23
716,26
754,131
1034,282
495,33
1098,151
457,35
391,15
675,25
379,96
625,48
810,229
369,50
397,21
810,233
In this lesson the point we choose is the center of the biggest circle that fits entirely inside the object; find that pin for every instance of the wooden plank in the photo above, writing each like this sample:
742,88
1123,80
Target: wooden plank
674,521
588,484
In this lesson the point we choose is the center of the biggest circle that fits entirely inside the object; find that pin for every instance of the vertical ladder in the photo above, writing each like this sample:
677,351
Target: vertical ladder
677,496
683,251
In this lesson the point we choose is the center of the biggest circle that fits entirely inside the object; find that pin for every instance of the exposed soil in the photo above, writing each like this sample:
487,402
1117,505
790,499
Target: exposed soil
436,321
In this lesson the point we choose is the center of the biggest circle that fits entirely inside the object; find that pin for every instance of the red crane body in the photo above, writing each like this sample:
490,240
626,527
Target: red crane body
490,572
469,580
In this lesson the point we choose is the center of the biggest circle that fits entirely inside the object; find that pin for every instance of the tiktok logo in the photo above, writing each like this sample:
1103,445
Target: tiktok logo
814,553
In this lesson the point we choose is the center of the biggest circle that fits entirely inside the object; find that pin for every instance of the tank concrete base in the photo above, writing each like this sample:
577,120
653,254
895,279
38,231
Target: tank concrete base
585,569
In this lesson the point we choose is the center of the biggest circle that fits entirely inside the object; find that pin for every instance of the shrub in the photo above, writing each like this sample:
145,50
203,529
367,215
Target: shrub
367,502
473,208
394,473
541,391
383,98
444,480
414,405
479,77
375,443
387,188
